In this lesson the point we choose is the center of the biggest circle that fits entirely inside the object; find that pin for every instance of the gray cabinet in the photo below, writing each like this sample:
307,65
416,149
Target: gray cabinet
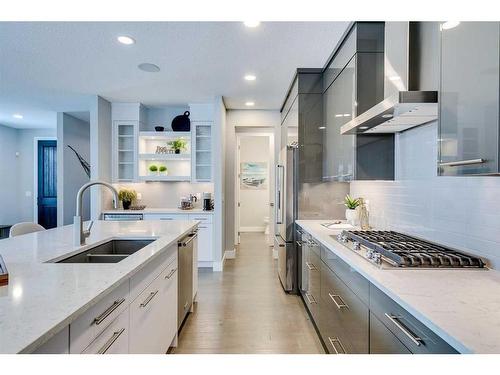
310,275
469,99
382,340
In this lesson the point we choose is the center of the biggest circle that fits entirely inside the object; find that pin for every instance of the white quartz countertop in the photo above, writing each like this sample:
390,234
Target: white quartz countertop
42,298
461,306
160,211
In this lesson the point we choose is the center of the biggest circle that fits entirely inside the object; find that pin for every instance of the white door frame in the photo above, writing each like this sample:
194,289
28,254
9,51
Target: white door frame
251,133
35,173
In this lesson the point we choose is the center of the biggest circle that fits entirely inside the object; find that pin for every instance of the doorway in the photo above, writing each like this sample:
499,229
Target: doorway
254,185
46,182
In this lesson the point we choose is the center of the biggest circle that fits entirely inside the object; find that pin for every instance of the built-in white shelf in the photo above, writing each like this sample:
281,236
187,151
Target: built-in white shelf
164,135
172,157
164,178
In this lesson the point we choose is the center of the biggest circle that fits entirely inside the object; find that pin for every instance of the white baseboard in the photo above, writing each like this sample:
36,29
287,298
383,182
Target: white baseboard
219,266
230,254
252,229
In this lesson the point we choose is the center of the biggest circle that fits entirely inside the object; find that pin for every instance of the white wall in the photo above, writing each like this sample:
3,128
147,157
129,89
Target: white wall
258,120
71,176
254,203
163,116
18,190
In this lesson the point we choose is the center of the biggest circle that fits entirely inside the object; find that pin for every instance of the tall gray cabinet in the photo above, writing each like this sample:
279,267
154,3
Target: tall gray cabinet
469,99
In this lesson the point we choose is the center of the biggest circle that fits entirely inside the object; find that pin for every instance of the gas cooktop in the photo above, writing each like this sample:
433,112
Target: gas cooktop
401,250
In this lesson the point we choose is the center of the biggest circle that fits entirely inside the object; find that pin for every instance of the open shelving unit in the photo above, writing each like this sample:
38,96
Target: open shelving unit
178,165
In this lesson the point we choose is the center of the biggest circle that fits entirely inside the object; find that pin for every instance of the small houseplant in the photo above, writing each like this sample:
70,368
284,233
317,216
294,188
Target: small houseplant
127,196
178,145
153,169
350,213
163,170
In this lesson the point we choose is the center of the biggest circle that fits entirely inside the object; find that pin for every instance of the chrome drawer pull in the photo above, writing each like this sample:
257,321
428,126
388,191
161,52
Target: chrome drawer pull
170,273
394,319
310,299
462,162
311,266
342,304
147,300
111,341
108,311
337,340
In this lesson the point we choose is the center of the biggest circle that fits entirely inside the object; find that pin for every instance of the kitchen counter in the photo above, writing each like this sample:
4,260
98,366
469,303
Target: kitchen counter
42,298
159,211
461,306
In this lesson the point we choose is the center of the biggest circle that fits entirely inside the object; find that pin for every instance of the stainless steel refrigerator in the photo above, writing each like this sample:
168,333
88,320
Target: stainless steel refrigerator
286,214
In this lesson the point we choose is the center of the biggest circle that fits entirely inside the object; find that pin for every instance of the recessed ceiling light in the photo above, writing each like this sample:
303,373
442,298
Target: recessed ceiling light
123,39
249,104
17,115
150,68
250,77
252,23
449,25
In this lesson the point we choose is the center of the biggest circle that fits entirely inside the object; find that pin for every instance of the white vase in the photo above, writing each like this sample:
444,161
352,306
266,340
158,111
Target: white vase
352,216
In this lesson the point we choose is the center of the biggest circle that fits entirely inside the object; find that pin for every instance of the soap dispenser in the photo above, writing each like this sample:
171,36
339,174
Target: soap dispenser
364,219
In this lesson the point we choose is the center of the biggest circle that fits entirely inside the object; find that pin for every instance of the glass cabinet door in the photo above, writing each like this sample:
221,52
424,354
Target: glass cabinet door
125,151
203,152
338,150
469,99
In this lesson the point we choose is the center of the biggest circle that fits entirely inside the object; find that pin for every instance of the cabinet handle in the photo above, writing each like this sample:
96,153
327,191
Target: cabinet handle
334,340
311,266
166,218
147,300
394,319
310,299
184,244
111,341
108,311
342,304
170,273
299,243
462,162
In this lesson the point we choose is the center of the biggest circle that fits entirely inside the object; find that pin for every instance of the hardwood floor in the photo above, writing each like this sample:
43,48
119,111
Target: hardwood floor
244,309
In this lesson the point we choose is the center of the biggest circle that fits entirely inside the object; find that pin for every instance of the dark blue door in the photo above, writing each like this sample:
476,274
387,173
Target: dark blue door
47,184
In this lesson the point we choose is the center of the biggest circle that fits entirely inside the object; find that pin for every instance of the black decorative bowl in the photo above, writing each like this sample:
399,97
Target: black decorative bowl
159,128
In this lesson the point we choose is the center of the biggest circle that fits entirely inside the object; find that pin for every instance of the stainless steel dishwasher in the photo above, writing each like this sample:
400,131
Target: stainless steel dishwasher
185,288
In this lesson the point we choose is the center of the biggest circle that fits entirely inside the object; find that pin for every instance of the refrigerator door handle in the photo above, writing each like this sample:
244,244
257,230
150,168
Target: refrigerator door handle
279,194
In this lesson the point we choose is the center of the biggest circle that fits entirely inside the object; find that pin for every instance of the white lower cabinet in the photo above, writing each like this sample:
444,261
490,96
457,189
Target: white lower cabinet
151,328
205,237
114,339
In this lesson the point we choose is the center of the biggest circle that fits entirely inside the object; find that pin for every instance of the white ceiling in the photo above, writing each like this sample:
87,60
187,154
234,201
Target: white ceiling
57,66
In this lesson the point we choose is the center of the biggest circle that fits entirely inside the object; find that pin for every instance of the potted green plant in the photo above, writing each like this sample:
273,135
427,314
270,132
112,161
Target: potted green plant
178,145
351,213
127,196
153,169
163,170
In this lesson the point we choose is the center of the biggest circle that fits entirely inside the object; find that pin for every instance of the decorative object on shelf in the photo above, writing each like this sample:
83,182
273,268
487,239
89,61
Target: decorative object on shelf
4,274
127,196
159,128
351,213
178,145
253,176
186,203
163,170
208,202
153,169
162,150
85,165
181,123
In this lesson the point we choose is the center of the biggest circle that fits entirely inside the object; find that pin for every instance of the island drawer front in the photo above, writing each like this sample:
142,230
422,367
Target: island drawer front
383,341
204,218
151,270
344,316
167,217
114,339
353,279
417,337
93,321
313,297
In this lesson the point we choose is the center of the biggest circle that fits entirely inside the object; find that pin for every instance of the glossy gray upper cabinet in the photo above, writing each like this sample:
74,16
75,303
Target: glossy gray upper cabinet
469,99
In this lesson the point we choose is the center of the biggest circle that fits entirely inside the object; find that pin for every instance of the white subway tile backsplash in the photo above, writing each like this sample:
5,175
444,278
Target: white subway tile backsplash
462,212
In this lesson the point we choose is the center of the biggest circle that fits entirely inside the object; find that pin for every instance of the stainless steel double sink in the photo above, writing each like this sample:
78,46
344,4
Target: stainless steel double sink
112,251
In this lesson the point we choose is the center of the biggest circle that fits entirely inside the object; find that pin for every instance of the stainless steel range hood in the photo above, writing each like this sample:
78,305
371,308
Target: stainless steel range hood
400,112
406,105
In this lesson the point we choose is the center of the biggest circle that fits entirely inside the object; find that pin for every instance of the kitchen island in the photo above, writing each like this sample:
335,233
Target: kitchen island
43,297
460,306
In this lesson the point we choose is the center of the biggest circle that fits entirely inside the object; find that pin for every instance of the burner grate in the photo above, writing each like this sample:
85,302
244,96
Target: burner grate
408,251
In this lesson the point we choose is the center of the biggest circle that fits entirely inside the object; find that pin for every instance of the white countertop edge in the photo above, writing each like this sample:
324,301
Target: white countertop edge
174,210
70,318
457,345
